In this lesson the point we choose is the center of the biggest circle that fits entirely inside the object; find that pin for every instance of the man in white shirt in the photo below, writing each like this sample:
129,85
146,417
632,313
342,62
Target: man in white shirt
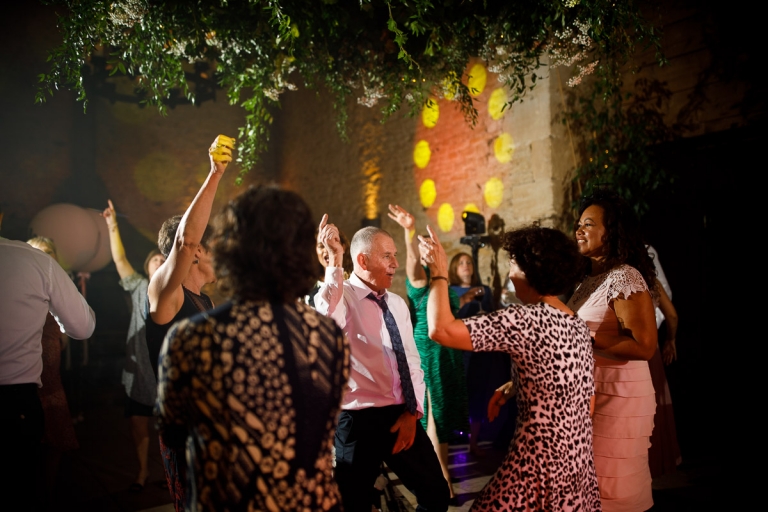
382,405
32,284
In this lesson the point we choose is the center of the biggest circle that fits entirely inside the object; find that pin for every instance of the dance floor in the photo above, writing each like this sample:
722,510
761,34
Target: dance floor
96,477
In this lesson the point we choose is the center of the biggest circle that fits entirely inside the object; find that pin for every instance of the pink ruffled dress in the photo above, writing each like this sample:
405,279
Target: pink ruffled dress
625,401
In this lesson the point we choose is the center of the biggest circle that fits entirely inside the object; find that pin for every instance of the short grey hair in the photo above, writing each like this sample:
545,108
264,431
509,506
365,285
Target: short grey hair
363,240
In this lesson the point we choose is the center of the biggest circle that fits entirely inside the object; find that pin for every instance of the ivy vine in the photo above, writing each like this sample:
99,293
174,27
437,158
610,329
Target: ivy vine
391,54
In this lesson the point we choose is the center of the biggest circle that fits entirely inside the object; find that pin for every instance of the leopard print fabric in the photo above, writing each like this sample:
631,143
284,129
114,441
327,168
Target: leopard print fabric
257,407
549,465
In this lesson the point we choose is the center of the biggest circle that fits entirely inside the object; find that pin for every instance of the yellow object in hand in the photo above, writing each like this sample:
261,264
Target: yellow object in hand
221,149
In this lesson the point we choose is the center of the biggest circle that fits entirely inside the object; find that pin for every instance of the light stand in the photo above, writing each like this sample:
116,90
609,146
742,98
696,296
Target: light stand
474,229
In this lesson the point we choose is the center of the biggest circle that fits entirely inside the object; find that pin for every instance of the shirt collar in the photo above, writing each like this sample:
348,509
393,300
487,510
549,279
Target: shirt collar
362,290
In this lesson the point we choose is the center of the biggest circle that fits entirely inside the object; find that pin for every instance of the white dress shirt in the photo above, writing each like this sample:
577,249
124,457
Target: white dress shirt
33,283
662,279
373,378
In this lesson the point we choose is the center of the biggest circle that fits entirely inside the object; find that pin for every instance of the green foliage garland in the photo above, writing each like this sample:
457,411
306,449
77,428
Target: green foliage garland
388,52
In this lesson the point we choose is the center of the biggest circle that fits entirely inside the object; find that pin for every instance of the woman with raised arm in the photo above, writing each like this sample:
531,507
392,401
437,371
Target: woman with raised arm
549,465
175,290
253,388
138,374
446,394
615,301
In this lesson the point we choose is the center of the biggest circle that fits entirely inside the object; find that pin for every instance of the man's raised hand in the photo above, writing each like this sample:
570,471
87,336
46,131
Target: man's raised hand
328,235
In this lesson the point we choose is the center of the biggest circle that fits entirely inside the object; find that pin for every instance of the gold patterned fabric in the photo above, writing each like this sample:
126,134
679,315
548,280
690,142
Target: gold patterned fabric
254,390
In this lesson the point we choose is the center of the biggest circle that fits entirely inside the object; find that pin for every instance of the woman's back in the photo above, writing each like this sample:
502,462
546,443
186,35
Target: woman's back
551,455
243,381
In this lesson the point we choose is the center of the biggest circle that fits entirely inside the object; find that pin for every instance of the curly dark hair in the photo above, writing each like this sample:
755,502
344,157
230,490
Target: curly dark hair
550,258
623,238
167,235
263,246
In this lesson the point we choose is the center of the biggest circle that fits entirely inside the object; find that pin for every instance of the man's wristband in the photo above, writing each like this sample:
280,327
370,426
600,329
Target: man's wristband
437,278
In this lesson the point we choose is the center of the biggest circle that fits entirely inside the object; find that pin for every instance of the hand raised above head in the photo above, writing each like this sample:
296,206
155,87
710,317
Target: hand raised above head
402,217
433,254
221,152
109,214
328,235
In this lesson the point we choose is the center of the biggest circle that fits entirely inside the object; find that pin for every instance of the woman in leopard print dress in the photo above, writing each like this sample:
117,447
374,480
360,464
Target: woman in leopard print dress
549,465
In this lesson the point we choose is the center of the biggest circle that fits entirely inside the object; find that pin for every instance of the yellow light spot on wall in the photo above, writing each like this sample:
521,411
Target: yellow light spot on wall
430,114
445,217
371,152
496,103
477,78
503,148
493,192
421,154
427,193
471,207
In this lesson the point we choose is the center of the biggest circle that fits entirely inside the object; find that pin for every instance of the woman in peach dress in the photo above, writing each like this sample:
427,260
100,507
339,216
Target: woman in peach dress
616,304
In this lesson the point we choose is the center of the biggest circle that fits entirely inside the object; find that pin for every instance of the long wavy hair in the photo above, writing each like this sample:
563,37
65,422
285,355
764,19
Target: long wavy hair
263,246
623,239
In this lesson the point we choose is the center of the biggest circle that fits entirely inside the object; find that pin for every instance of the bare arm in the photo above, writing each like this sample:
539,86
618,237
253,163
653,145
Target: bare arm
637,338
165,293
413,267
669,353
443,327
124,268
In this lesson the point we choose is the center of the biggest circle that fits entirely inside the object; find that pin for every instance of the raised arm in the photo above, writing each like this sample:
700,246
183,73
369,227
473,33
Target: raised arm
443,327
328,300
68,306
413,266
165,293
669,353
637,338
124,268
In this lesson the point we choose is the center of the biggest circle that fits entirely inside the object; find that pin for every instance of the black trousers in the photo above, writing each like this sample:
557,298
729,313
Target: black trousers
21,430
363,441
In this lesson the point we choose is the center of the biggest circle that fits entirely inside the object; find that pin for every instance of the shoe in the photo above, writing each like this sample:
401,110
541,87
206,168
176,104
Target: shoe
135,488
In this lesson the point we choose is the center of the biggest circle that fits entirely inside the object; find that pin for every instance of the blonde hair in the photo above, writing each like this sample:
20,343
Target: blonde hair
39,242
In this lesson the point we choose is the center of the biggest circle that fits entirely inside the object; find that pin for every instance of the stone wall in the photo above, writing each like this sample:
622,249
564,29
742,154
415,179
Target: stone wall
435,165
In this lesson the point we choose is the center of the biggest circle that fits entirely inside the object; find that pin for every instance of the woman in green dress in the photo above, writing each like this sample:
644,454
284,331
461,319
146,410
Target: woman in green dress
446,395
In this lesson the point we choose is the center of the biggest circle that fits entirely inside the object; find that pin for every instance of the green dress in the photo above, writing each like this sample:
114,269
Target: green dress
443,370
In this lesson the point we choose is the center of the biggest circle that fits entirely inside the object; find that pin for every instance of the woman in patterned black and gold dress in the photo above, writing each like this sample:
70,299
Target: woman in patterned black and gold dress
254,386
